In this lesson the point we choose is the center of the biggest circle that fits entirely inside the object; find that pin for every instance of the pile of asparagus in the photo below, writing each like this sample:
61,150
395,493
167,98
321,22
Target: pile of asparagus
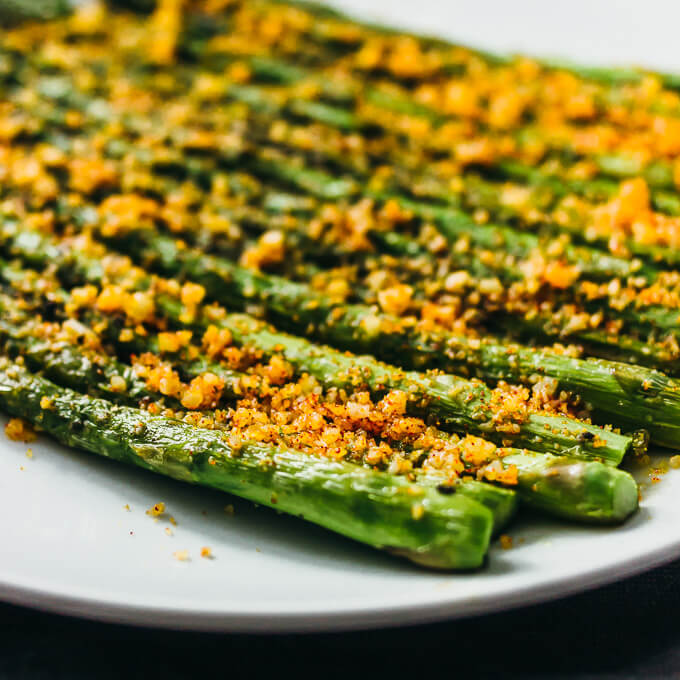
388,284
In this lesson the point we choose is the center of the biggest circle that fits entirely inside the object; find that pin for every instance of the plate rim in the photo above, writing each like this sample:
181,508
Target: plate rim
323,620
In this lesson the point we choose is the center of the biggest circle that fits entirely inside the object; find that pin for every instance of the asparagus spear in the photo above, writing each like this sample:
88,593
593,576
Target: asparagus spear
357,327
630,396
460,403
658,174
596,342
70,366
14,11
589,492
598,188
384,511
456,224
452,221
593,491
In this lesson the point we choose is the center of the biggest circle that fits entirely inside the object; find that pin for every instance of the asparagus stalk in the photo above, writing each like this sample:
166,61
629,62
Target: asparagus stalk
590,494
658,175
452,221
598,188
14,11
618,393
384,511
597,343
600,493
359,328
459,403
70,366
457,224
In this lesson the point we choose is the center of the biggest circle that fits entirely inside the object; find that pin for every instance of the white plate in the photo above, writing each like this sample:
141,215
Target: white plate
69,545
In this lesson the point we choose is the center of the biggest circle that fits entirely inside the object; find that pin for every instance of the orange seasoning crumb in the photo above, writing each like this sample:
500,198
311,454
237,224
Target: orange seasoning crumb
560,275
206,552
19,430
506,541
156,510
191,295
215,340
395,300
173,342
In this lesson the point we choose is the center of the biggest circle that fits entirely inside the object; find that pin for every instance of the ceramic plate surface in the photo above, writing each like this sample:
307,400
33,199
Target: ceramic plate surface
70,545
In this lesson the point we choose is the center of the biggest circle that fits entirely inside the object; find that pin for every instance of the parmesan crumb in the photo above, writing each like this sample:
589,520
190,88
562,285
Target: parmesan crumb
19,430
181,555
506,541
156,510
